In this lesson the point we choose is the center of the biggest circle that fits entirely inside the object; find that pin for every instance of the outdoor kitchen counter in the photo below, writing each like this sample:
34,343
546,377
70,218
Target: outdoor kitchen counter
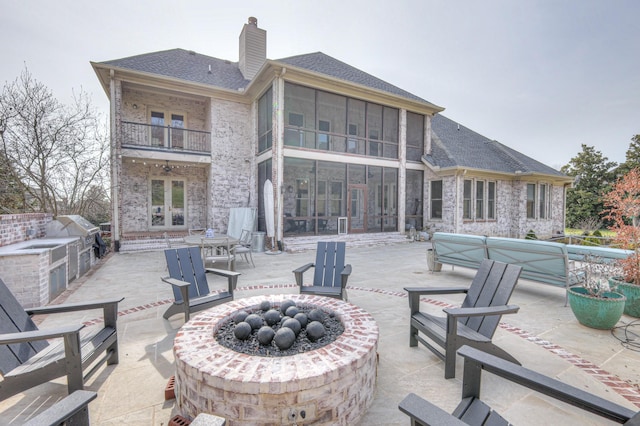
40,243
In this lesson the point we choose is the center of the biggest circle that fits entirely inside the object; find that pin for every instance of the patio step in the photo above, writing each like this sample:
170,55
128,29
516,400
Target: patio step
150,244
309,243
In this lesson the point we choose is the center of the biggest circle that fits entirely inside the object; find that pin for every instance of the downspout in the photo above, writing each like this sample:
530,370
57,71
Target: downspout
115,166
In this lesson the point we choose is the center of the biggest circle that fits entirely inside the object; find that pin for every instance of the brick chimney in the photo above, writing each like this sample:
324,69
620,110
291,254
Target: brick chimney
253,49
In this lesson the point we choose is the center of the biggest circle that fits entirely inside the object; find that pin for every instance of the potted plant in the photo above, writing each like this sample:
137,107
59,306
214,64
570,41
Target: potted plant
622,204
596,304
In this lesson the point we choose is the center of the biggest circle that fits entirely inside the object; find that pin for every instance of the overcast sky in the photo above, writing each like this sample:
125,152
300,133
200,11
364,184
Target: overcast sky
540,76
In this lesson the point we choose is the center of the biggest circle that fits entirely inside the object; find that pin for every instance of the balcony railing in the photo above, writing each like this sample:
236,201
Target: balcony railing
165,138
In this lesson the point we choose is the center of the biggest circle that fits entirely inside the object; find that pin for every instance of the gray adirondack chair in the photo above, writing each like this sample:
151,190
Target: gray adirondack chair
28,359
473,411
474,323
331,273
188,278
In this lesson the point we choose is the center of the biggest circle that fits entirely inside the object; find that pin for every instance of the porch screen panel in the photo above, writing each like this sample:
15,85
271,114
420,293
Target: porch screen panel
356,130
374,130
300,116
415,136
390,132
265,121
332,126
374,198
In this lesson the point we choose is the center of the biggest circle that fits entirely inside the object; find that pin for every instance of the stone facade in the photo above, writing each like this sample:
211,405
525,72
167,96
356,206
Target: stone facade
510,221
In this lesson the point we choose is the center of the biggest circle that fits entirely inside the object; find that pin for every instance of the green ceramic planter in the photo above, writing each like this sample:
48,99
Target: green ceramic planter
632,293
596,312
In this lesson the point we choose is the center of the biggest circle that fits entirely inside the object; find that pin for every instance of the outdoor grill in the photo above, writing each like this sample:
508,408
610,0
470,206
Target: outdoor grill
74,225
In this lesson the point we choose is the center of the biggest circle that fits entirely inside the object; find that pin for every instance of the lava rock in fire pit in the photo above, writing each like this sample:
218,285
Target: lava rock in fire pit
265,335
242,331
272,317
315,330
253,336
284,338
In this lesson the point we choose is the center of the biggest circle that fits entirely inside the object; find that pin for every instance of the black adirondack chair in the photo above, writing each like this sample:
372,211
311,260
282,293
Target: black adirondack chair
331,274
473,411
28,359
71,410
474,323
188,278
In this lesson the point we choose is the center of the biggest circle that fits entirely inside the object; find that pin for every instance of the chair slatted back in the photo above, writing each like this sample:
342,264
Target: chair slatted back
14,319
493,285
329,264
185,264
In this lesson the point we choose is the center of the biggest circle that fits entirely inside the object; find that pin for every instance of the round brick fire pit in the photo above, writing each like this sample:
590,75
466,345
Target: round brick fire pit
334,384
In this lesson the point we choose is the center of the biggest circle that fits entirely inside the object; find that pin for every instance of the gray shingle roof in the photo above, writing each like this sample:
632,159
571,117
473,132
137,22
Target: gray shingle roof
454,145
186,65
324,64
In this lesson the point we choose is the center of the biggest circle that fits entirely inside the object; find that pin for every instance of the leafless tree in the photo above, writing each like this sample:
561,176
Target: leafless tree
59,152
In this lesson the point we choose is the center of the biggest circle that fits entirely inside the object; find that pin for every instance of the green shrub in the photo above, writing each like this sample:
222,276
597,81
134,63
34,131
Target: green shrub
531,235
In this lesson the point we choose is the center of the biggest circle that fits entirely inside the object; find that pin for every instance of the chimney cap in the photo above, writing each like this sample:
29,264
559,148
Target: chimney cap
253,21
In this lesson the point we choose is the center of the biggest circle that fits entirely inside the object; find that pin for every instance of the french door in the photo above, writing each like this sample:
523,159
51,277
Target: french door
357,208
168,203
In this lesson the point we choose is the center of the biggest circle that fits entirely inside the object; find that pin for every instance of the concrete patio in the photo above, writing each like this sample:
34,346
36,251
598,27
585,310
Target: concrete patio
544,336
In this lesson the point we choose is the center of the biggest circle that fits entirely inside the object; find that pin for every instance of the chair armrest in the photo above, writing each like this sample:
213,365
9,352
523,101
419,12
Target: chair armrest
232,277
70,406
175,282
109,309
29,336
301,270
436,290
71,307
344,275
481,312
416,292
546,385
424,412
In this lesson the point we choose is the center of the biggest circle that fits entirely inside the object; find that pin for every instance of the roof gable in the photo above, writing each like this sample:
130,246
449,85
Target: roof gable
186,65
325,64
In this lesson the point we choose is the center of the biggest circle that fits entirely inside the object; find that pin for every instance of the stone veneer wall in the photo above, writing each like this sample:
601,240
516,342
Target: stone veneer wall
136,189
15,228
511,220
233,180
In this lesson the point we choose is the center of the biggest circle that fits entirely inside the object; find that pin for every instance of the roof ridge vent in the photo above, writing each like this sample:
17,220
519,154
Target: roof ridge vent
191,52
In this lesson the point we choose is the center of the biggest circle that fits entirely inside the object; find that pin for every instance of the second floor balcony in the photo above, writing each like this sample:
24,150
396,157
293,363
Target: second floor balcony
164,138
